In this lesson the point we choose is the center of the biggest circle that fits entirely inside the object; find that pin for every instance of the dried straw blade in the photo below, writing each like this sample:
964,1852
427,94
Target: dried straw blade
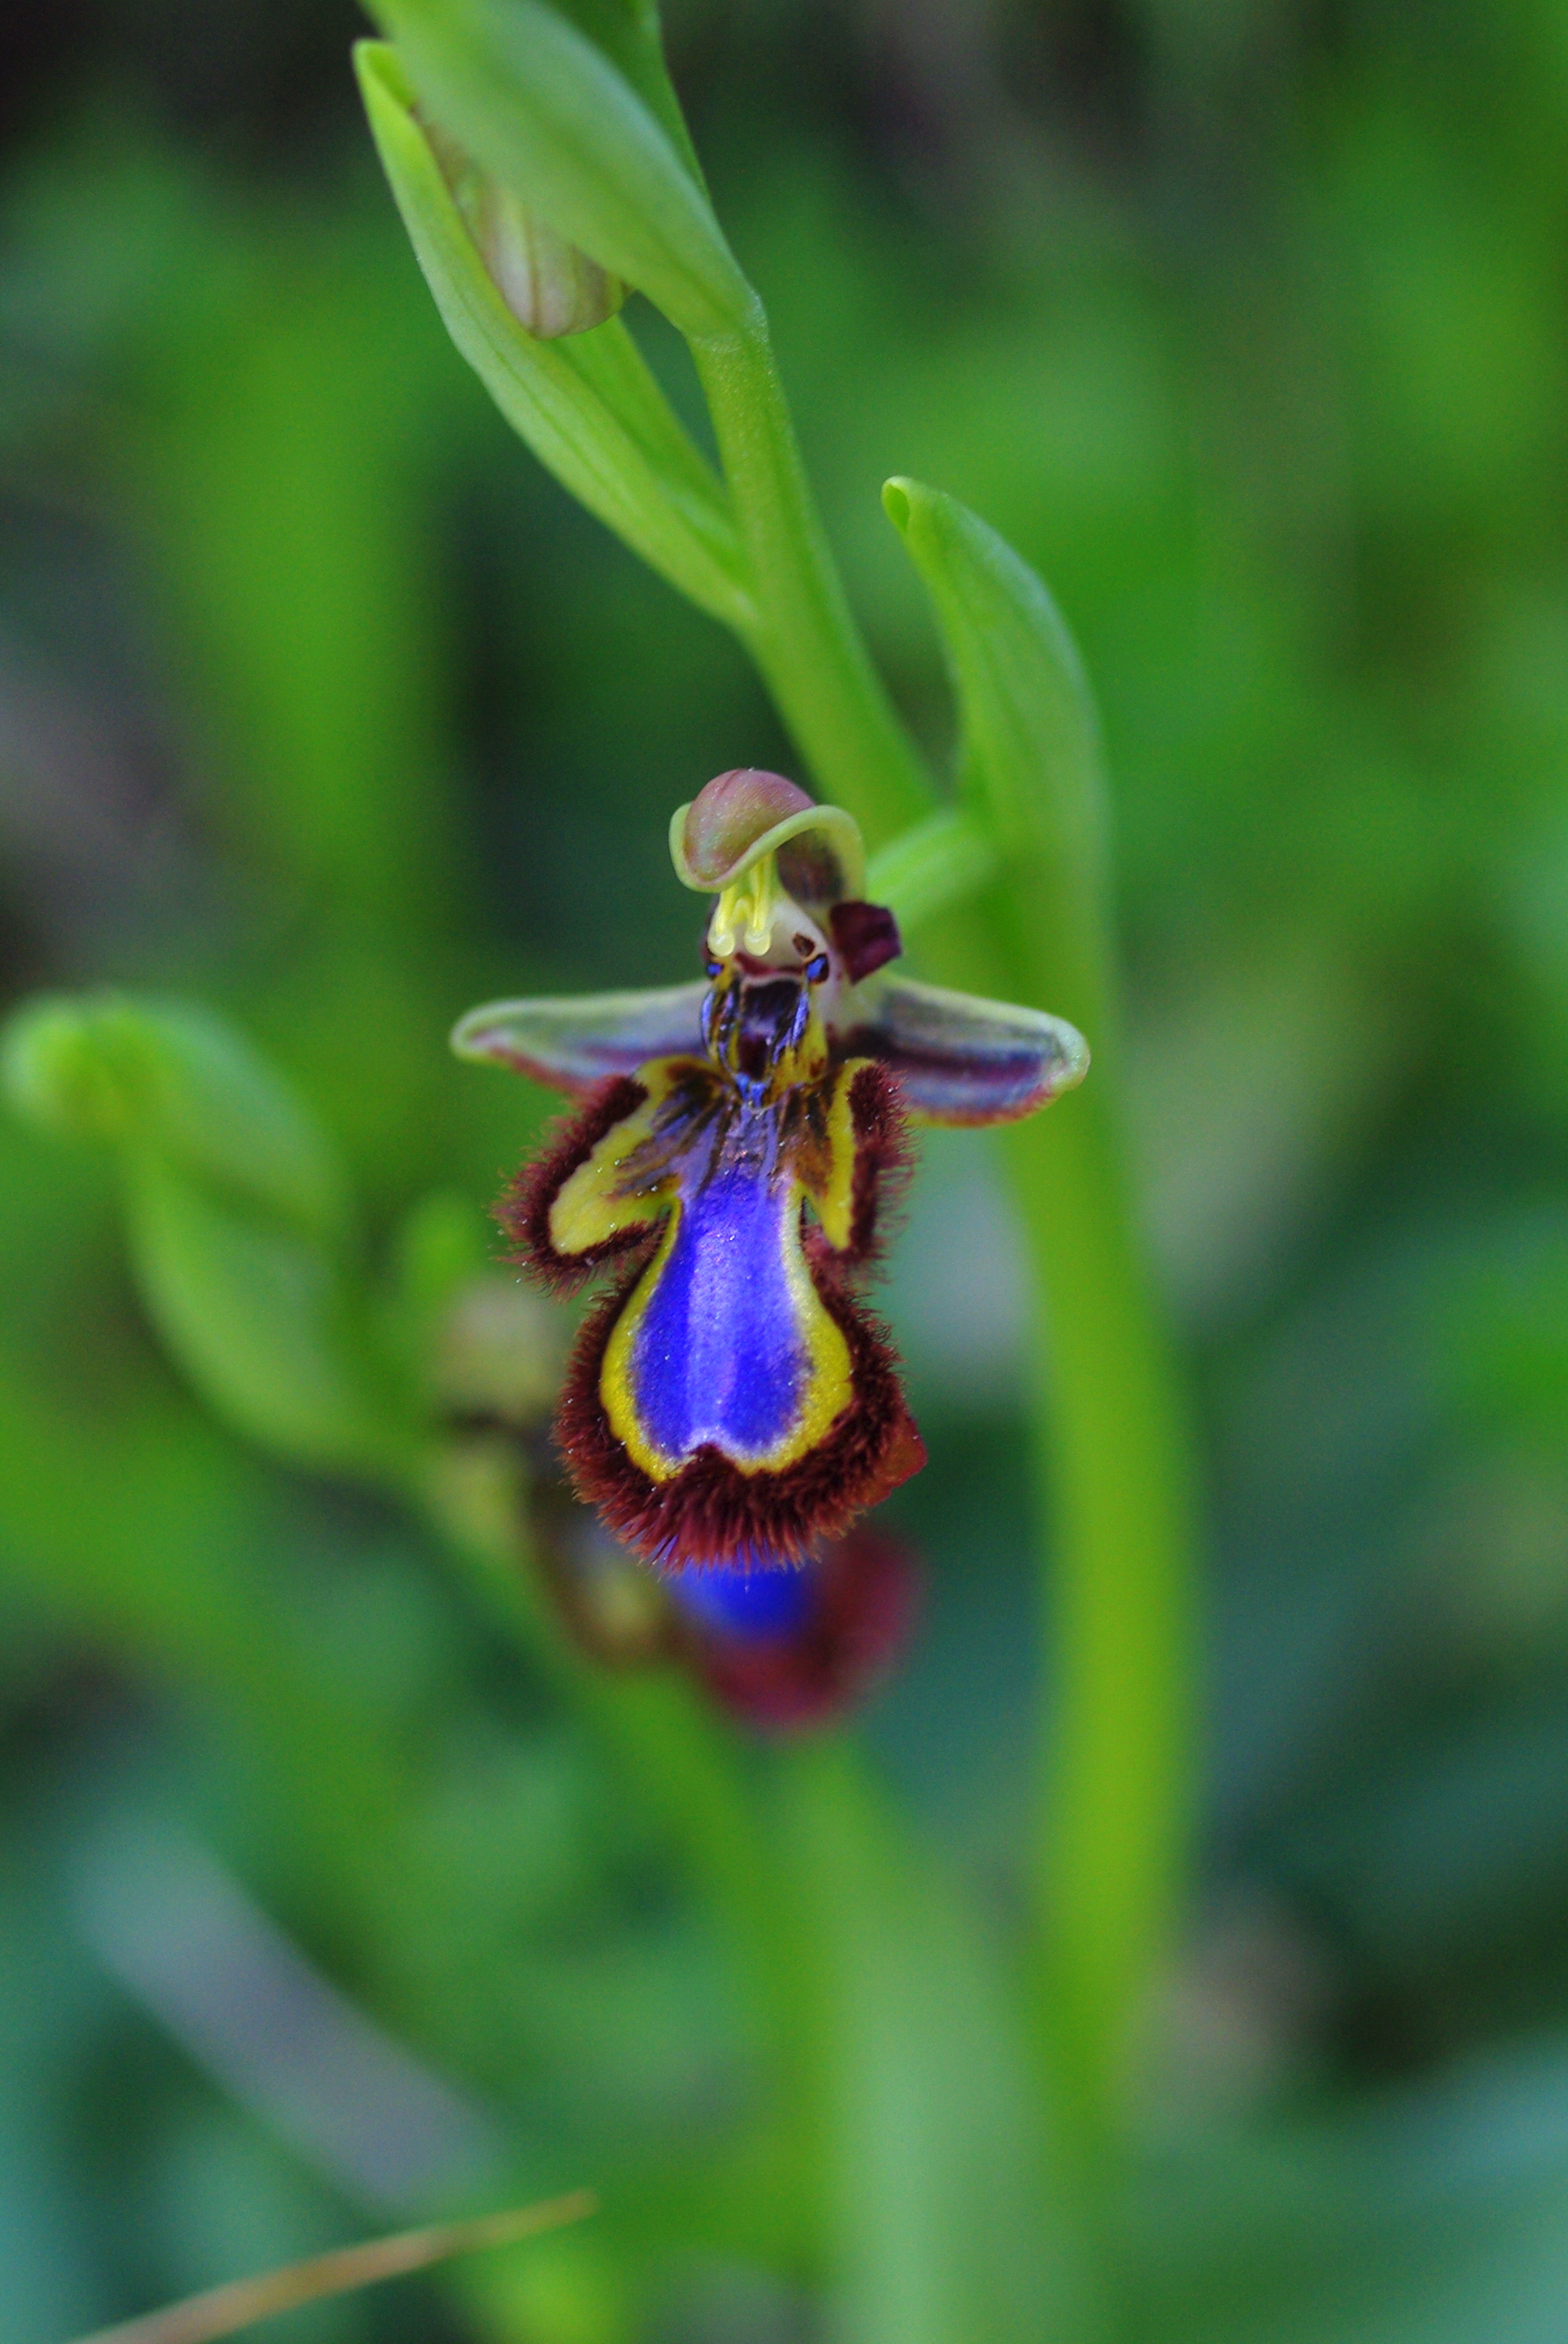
222,2309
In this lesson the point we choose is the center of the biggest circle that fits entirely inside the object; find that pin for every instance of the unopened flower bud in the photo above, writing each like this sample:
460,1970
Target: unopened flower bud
497,1354
615,1608
549,286
787,1651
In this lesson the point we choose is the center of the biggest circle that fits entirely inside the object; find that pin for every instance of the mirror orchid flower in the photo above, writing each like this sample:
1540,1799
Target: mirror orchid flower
731,1405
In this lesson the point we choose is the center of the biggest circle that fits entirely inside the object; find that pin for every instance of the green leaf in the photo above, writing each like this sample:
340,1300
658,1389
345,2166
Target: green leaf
1431,2215
261,1319
178,1080
549,116
587,407
934,2157
1029,756
235,1218
628,32
1109,1425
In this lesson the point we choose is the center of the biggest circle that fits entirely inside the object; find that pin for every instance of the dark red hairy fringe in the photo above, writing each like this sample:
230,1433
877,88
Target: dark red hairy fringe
867,1600
523,1208
710,1508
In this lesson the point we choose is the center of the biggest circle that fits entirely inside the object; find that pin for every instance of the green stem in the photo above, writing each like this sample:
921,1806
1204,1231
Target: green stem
805,640
1108,1436
1110,1451
946,2218
1111,1454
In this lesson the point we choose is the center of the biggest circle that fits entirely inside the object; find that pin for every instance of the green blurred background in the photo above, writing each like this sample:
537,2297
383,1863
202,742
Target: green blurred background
1246,322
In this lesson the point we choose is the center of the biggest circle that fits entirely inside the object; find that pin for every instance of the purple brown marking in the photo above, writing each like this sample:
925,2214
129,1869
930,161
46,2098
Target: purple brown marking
951,1087
524,1209
865,937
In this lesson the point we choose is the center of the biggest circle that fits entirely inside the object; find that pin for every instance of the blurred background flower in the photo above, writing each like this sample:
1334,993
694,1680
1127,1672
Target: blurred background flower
321,704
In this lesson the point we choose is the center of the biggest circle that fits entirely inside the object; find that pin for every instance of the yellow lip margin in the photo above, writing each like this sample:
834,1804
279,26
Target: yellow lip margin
829,1387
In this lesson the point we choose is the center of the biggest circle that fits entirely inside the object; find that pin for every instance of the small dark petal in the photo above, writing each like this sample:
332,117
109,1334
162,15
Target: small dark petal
863,1592
866,937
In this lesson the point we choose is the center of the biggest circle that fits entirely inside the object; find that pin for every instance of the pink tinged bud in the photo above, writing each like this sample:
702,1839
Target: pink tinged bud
746,820
731,814
549,286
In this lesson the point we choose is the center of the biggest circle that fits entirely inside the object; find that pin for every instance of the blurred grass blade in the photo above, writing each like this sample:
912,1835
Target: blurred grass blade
223,2309
1111,1445
183,1936
1429,2213
549,116
588,408
935,2158
935,863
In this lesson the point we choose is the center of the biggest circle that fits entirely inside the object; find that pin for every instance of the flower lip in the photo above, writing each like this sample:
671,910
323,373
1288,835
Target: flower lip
733,1599
745,814
856,1600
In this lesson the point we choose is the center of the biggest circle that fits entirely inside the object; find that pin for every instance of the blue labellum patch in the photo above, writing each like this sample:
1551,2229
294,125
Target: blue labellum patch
750,1605
718,1354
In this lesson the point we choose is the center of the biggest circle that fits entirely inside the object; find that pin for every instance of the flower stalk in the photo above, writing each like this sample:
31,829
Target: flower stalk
1027,841
1017,866
567,115
802,635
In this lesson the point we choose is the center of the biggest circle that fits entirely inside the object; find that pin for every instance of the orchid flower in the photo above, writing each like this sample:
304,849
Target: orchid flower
786,1651
730,1404
780,1651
